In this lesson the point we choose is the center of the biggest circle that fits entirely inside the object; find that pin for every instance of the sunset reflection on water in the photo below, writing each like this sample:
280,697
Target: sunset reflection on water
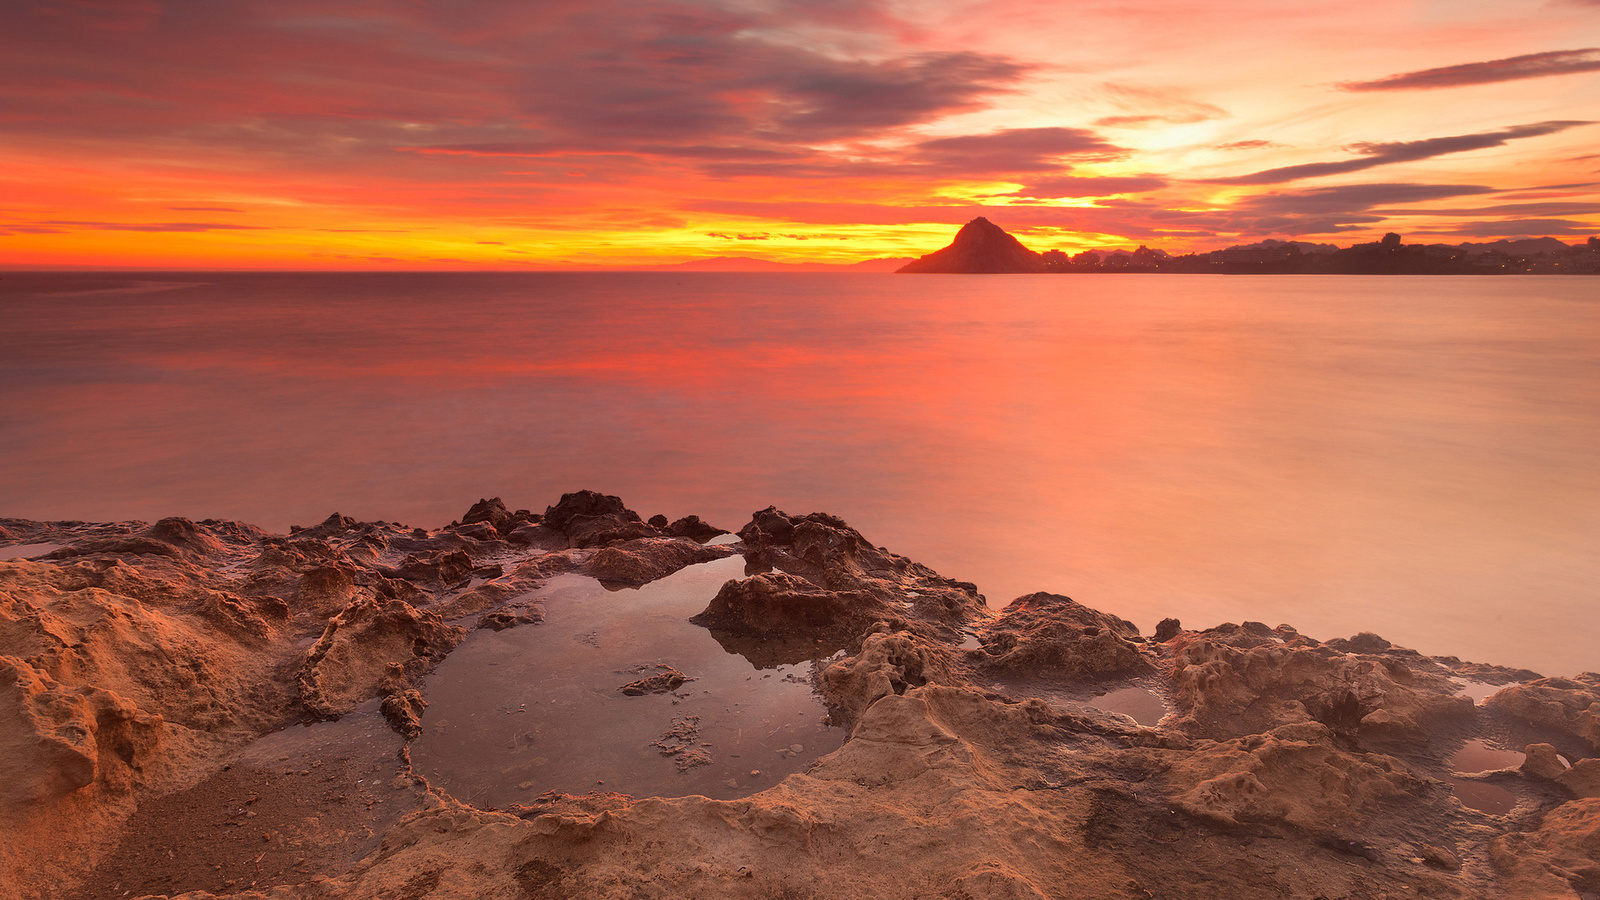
1407,456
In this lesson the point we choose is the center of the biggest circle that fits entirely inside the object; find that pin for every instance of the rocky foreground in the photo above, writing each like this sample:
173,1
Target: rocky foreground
147,672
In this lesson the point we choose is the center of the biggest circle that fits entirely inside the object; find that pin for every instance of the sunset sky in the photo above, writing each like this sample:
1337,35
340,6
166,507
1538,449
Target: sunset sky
501,134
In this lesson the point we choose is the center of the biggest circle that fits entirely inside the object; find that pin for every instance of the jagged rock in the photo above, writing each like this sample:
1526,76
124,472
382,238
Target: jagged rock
403,710
1559,859
538,536
493,513
829,553
889,663
980,247
56,739
326,589
1294,774
438,570
638,562
695,529
1567,705
1244,680
333,526
351,661
662,682
1167,629
1051,635
777,604
591,519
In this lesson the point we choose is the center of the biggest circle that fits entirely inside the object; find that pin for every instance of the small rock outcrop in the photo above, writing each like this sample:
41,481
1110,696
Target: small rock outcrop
1047,634
980,248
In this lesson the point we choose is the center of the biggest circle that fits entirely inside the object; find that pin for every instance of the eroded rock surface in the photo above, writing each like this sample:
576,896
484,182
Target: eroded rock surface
137,661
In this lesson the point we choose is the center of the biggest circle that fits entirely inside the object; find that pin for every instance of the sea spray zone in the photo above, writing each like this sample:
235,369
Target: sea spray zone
210,710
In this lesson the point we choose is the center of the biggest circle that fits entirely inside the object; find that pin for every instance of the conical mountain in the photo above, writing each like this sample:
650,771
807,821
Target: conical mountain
980,248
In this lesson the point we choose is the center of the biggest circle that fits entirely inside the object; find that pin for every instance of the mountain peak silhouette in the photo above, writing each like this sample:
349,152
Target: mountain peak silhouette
980,248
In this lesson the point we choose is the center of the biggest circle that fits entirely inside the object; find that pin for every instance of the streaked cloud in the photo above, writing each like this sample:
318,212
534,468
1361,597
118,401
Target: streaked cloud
1382,154
1512,68
1073,186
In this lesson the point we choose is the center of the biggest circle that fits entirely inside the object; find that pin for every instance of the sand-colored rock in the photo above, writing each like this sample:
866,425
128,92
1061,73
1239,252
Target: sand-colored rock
371,647
131,675
1567,705
826,551
637,562
1292,774
1559,859
1245,681
1047,635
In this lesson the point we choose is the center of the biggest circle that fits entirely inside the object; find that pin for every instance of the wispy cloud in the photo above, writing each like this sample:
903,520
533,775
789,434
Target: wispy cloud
1512,68
153,226
1382,154
1071,186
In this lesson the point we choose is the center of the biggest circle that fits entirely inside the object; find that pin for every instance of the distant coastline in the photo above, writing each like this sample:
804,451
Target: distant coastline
1390,256
981,247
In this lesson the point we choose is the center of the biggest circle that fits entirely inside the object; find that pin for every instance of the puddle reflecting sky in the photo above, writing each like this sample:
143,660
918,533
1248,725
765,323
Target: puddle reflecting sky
535,708
1478,755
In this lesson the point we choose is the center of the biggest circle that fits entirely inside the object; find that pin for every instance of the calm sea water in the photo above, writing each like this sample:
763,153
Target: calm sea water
1411,456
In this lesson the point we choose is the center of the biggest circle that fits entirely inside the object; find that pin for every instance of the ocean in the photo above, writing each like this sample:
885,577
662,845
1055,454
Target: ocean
1415,457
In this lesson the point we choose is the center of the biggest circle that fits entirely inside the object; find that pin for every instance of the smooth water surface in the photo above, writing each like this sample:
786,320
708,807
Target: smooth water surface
1409,456
515,713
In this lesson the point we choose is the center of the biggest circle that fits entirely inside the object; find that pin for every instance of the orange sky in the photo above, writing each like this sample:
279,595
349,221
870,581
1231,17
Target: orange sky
508,134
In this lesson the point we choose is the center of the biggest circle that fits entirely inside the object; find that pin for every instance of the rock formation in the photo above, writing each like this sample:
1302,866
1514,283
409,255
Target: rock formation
147,674
980,248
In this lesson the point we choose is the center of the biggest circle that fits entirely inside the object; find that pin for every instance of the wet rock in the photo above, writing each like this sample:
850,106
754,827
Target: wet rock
503,590
1570,706
665,681
777,604
638,562
530,613
1048,634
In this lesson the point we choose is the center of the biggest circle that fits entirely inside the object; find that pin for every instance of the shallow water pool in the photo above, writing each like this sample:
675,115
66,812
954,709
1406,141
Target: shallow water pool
539,707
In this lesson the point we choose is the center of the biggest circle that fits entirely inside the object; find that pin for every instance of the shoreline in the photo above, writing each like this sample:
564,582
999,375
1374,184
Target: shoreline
151,672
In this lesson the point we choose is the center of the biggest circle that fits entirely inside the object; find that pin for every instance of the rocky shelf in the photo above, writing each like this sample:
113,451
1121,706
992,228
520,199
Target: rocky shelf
157,685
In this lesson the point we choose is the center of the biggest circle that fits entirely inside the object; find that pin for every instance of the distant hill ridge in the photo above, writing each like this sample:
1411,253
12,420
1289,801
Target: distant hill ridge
981,247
